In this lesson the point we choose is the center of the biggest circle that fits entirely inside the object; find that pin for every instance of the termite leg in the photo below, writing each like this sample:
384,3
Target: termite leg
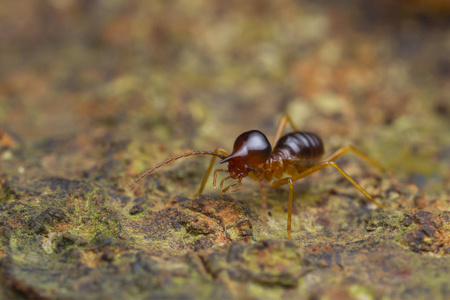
238,183
291,195
326,164
343,150
223,181
211,165
281,127
319,166
215,176
290,181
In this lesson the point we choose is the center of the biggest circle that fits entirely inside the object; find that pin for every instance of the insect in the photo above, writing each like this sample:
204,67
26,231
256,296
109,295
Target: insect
295,156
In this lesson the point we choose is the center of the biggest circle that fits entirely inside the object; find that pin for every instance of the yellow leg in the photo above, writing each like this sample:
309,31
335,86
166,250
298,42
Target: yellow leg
281,127
211,165
343,150
319,166
238,183
223,180
291,195
215,177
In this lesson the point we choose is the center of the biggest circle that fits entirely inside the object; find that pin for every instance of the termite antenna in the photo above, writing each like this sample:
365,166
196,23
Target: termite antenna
132,185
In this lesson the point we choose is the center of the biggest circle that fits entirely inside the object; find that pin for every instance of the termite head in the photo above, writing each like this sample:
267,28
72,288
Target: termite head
249,150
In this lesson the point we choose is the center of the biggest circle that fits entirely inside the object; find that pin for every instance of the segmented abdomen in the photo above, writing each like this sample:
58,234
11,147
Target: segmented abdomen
298,146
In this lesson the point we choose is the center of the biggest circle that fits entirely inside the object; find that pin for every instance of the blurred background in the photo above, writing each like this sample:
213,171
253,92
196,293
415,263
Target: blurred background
160,77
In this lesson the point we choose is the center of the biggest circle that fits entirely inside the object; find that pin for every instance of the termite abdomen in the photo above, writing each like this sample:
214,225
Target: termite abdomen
298,146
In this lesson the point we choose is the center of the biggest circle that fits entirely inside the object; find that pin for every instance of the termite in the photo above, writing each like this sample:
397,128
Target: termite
295,156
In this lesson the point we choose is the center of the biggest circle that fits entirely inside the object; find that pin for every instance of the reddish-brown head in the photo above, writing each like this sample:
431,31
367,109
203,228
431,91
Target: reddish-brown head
250,150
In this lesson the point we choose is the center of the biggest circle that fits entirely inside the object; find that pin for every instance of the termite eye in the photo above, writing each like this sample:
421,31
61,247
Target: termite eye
252,147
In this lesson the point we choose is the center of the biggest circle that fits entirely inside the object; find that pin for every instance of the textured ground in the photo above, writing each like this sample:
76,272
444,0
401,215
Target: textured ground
93,93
